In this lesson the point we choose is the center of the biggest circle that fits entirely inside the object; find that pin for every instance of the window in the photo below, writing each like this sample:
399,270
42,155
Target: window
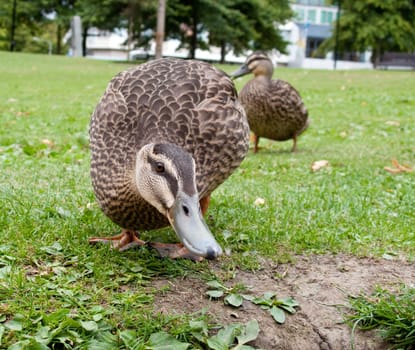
300,15
327,17
311,16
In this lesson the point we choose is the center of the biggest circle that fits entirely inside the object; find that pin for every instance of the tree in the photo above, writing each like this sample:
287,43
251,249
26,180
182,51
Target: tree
28,23
232,30
134,15
265,16
230,24
236,25
376,25
61,11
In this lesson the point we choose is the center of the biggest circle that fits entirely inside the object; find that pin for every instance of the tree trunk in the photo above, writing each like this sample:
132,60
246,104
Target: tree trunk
130,34
58,39
161,17
195,20
13,29
376,56
84,37
222,51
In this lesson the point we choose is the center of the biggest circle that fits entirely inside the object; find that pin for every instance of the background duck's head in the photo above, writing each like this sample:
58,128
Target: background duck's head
257,63
165,176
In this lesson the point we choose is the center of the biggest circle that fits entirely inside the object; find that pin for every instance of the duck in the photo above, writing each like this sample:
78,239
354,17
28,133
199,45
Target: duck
274,107
164,135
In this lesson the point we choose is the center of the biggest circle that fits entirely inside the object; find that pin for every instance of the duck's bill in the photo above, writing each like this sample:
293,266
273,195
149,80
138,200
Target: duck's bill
188,223
240,72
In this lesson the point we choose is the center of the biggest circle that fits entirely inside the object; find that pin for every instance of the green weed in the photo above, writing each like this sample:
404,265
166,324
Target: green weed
392,313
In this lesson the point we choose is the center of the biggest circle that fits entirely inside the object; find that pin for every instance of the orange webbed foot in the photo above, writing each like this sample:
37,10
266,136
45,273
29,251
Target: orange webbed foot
125,240
128,239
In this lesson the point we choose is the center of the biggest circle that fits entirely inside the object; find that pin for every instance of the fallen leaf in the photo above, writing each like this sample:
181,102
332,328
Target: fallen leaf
259,201
90,205
393,123
398,168
47,142
22,114
318,164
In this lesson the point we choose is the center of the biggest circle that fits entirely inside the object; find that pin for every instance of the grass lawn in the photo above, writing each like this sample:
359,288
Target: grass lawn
57,289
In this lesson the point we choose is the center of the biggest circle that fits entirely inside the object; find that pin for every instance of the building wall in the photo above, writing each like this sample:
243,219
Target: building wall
312,25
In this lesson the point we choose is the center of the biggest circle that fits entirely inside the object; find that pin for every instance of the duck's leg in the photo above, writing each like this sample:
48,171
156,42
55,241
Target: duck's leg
125,240
256,141
128,239
294,149
204,204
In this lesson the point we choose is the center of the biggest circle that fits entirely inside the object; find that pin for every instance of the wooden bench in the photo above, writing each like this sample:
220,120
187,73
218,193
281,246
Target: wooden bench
396,59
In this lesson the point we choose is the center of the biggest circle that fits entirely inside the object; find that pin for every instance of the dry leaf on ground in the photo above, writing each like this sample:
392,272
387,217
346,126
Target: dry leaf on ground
48,142
318,164
393,123
398,168
259,201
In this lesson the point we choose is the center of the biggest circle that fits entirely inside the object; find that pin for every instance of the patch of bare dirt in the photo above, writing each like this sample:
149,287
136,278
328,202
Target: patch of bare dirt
320,284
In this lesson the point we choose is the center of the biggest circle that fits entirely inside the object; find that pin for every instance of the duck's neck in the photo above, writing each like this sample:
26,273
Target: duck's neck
262,80
265,70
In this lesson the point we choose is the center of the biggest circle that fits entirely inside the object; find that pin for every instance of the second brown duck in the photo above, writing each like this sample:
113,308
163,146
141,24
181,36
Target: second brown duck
274,108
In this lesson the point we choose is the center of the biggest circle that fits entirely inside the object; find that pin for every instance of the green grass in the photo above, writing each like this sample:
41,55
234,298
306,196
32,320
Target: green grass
55,288
393,314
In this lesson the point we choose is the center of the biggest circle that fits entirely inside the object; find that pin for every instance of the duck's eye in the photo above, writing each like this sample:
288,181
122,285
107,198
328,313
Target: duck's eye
160,167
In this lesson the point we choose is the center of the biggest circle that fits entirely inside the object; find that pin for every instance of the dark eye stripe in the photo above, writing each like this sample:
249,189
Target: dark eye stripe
170,178
182,162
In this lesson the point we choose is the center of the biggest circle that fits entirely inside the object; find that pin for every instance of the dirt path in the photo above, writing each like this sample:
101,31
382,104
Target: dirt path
318,283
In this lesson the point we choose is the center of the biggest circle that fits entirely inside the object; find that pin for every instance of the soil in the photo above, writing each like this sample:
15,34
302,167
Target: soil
321,285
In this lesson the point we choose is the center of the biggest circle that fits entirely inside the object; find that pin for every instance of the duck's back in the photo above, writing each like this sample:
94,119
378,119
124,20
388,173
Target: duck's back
274,108
184,102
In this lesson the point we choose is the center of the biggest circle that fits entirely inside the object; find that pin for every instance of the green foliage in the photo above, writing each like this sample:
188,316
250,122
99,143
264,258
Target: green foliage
392,313
232,295
375,25
231,24
235,333
29,23
276,307
243,24
268,301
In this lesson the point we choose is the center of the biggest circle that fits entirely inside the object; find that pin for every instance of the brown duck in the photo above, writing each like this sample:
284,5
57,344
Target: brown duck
164,135
274,108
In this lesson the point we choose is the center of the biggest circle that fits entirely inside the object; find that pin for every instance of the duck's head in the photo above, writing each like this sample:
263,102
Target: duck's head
257,63
166,178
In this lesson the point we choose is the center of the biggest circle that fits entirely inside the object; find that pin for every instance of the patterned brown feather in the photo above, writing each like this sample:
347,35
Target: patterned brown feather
274,108
187,103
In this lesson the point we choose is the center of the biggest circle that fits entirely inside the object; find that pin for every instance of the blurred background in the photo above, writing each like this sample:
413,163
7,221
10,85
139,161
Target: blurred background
302,33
